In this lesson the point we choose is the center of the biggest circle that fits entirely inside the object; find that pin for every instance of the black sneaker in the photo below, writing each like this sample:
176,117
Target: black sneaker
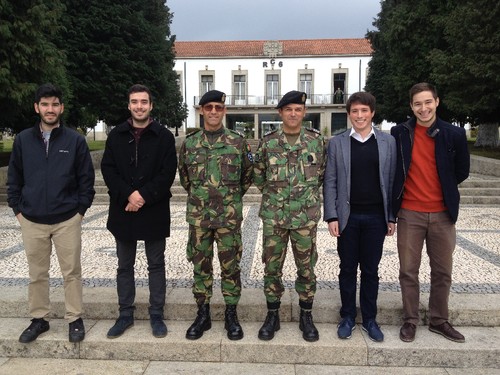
121,325
36,328
76,331
158,325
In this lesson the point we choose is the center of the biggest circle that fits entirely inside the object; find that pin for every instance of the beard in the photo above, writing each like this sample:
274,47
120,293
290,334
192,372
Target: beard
53,121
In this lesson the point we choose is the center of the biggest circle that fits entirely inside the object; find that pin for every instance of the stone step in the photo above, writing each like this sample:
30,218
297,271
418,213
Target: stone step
175,189
493,183
469,191
101,366
101,303
467,184
479,191
481,349
52,366
477,316
480,200
475,183
103,198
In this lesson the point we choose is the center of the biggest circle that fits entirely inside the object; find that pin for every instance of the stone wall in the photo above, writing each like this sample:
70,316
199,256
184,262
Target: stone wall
487,166
479,164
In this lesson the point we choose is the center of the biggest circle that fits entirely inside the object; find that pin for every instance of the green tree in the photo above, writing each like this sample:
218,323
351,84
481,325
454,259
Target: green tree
110,46
468,69
405,36
28,57
453,44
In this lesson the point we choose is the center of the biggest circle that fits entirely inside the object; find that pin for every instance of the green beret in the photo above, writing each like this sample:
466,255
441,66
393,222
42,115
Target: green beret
213,96
292,97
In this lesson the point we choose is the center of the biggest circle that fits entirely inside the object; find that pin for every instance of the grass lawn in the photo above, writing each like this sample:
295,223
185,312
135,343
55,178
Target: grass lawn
96,145
6,148
486,152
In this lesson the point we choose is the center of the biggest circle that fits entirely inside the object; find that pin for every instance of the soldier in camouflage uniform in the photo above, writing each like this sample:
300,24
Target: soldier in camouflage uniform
216,168
289,168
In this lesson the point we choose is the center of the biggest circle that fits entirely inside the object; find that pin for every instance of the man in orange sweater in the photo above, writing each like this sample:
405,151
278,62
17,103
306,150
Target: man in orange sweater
432,160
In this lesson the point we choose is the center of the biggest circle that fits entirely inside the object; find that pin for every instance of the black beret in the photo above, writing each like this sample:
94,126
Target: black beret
213,96
292,97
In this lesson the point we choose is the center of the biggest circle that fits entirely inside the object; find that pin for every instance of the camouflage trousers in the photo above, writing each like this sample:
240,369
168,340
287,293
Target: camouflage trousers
303,241
200,252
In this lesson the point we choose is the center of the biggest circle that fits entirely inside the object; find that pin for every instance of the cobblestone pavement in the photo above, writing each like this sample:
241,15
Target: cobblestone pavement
476,259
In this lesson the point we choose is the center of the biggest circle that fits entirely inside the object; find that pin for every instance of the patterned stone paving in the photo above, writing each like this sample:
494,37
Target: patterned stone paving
476,259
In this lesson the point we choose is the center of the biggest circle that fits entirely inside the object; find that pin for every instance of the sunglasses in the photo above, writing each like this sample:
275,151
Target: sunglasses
210,107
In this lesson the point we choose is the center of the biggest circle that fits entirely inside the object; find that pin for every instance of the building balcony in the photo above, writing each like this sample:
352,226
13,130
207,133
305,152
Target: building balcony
321,100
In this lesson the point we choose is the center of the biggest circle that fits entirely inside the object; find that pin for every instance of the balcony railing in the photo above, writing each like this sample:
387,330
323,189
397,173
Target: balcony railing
253,100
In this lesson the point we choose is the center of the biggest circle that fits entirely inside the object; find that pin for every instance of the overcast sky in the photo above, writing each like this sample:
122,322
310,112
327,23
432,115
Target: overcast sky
271,19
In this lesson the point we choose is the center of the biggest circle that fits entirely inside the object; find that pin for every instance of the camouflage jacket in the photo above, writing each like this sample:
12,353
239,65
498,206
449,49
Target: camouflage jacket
216,176
290,178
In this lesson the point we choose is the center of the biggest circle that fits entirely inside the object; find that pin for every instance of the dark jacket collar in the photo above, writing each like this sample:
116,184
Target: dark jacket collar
154,126
432,131
55,132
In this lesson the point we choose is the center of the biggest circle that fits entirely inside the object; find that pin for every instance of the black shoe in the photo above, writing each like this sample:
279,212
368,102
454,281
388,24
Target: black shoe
121,325
158,325
232,325
309,331
270,326
76,331
202,323
36,328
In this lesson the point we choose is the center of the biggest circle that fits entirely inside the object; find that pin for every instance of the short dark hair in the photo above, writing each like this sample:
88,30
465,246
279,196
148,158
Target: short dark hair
48,90
139,88
422,86
361,97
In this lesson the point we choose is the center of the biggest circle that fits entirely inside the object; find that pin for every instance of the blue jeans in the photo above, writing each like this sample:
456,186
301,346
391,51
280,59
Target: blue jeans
125,281
361,242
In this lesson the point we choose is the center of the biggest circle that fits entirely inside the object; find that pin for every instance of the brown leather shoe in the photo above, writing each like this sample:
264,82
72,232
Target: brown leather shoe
407,332
445,329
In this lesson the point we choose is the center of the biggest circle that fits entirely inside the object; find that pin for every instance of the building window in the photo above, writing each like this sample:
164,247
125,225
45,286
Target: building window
306,85
239,89
272,89
339,88
178,81
339,123
242,123
206,83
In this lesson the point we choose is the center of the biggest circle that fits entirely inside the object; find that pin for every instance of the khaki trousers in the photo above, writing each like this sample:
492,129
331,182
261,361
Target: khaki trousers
439,234
38,239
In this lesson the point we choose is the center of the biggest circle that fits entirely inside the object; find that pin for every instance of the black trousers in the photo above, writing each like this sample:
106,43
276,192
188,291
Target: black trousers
361,243
125,281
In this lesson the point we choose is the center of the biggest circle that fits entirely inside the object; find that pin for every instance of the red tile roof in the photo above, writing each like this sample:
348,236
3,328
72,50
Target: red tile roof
255,48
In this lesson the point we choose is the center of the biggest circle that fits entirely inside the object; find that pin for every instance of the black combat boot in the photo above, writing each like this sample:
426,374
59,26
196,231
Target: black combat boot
270,326
309,331
233,327
202,323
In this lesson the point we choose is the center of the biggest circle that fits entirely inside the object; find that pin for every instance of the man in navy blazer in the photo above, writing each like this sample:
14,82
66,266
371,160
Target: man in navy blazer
357,194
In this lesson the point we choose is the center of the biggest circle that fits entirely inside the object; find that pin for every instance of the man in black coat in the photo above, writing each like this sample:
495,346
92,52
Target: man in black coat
139,166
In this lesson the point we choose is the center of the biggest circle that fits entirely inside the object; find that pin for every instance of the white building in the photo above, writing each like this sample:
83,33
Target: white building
256,74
